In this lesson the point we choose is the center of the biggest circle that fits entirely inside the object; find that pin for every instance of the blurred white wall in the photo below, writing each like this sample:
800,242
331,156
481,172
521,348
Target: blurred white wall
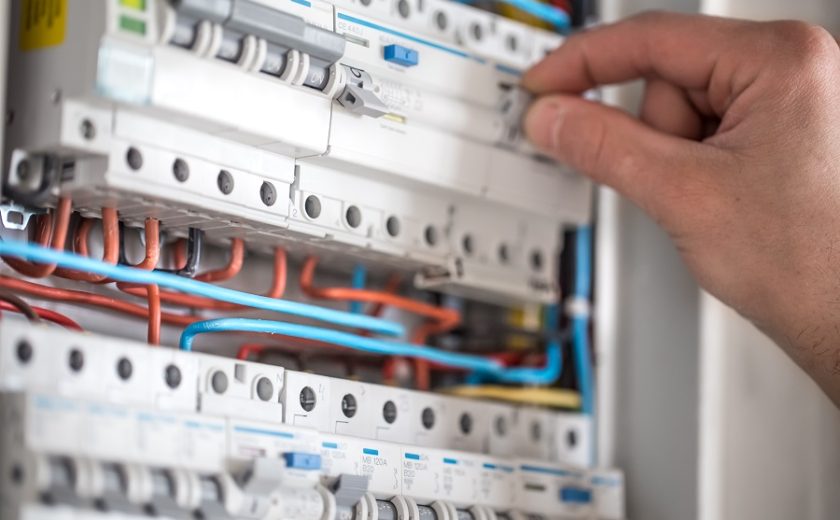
770,439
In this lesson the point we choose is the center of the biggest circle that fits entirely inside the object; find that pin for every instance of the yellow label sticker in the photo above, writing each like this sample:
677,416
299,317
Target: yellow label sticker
42,23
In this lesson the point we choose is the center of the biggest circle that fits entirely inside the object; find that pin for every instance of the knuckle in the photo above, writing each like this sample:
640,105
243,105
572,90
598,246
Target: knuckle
807,41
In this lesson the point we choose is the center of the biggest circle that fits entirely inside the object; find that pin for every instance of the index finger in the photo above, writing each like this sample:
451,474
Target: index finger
682,49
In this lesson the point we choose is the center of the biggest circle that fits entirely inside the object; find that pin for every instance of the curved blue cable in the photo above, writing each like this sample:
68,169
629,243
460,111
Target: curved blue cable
548,13
546,375
122,273
358,282
377,346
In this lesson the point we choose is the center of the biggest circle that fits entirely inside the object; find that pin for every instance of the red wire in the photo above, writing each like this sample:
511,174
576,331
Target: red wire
51,231
45,314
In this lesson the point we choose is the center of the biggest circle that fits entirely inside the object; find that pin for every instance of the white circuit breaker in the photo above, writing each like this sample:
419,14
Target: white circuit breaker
235,117
207,429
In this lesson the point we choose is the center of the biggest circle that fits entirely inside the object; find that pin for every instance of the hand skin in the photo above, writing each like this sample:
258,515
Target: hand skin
735,153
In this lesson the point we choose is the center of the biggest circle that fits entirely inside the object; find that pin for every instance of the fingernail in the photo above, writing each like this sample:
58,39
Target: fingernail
541,123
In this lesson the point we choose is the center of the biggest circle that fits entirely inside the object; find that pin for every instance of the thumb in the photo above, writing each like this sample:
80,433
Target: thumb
614,148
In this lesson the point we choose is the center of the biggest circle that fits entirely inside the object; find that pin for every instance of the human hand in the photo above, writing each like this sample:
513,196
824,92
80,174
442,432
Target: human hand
735,153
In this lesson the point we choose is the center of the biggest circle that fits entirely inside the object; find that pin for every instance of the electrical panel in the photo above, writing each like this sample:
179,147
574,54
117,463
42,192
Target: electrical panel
386,130
364,295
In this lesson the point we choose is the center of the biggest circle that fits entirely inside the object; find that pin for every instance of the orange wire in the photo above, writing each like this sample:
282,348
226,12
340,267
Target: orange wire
153,335
234,265
152,235
90,299
49,226
179,253
444,318
45,314
149,262
391,287
110,242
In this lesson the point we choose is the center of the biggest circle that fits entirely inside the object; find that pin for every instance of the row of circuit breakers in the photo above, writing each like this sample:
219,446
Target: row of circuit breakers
94,426
377,130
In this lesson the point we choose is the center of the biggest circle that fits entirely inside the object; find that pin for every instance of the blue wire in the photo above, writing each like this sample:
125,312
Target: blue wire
359,280
548,13
377,346
580,324
580,327
121,273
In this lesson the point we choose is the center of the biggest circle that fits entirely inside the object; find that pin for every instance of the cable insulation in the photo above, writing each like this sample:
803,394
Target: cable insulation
36,253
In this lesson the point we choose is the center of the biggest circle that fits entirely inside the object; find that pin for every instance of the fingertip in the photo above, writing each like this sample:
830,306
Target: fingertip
541,122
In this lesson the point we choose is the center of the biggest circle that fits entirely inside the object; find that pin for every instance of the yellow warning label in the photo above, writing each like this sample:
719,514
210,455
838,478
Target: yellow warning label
42,23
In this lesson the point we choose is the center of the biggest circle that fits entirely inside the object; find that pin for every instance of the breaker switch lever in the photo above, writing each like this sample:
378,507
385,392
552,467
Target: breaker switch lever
360,95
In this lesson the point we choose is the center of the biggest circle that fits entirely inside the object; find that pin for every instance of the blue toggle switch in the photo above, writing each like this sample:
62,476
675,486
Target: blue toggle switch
575,495
300,460
401,55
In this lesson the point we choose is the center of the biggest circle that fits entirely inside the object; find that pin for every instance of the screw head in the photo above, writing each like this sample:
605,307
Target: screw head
265,389
172,376
24,351
307,399
268,194
181,170
219,382
389,412
124,368
225,182
76,360
134,158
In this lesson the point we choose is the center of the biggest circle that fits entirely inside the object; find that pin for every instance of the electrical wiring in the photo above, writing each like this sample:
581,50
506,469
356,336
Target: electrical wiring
441,319
89,299
46,315
235,260
149,262
445,318
359,280
151,232
275,290
392,285
51,230
551,397
580,319
21,306
187,265
110,246
153,301
346,339
36,253
548,13
578,311
535,376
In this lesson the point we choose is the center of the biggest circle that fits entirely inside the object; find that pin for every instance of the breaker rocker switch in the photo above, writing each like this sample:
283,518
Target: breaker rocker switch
360,95
401,55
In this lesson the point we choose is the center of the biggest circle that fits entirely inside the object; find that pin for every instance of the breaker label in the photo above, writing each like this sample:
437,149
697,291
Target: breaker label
42,23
